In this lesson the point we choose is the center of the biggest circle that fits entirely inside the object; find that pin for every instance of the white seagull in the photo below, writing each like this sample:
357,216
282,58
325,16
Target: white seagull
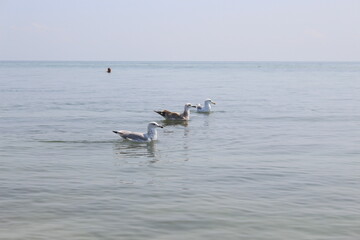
207,106
141,137
177,116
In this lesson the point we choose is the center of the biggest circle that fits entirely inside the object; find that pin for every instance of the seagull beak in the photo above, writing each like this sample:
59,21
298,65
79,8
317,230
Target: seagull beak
213,103
194,106
161,126
115,132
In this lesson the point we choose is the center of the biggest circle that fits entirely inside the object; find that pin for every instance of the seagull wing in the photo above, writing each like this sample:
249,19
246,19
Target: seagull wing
170,115
133,136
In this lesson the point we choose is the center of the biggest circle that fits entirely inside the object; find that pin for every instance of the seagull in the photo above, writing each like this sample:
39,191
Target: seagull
206,108
141,137
177,116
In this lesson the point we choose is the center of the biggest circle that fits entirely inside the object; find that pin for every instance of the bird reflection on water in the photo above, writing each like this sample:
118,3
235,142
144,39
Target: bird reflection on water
132,150
174,123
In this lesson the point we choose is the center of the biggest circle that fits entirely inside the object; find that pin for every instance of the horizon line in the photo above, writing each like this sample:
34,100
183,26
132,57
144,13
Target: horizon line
229,61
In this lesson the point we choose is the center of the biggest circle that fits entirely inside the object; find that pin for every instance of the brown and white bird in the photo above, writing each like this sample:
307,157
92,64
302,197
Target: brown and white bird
140,137
177,116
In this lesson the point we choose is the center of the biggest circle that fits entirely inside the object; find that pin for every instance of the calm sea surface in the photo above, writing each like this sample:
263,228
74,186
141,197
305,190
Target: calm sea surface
278,158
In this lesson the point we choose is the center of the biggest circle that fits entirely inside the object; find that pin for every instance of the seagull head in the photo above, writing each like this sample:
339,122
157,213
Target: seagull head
189,105
154,125
210,101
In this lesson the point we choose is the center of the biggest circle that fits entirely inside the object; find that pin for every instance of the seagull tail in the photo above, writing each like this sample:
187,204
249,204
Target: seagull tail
162,113
120,133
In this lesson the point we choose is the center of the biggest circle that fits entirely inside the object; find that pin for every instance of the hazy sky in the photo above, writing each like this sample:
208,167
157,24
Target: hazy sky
180,30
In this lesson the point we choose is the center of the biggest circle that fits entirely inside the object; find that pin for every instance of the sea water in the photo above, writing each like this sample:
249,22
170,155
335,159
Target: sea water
277,158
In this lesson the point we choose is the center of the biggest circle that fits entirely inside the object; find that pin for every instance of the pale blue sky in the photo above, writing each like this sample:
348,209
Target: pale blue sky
180,30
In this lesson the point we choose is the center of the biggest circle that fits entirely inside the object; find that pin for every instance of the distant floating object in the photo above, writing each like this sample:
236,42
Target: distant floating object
149,136
207,106
108,70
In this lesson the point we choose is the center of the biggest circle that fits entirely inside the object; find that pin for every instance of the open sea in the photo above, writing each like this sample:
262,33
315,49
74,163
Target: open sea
277,158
